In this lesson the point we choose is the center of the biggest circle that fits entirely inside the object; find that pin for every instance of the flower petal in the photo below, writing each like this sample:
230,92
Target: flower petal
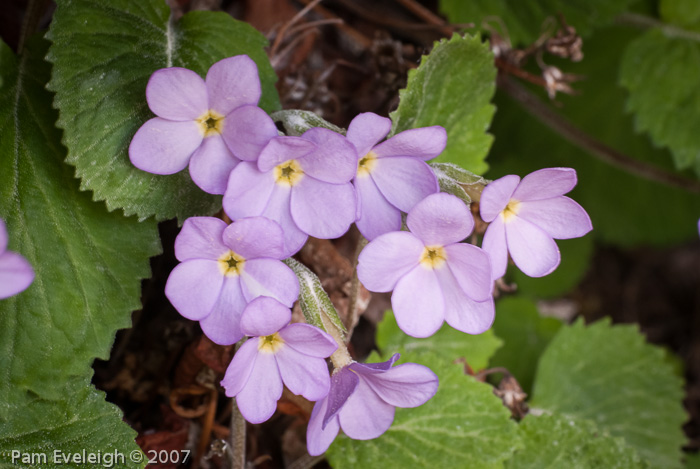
461,311
532,250
201,238
496,196
163,146
365,415
247,130
333,159
440,219
16,274
404,181
241,366
425,143
223,325
233,82
278,209
248,191
177,94
374,368
343,384
321,209
309,340
281,149
471,268
303,375
377,215
384,261
407,385
318,438
264,316
560,217
495,245
211,165
255,237
269,277
366,130
418,303
545,184
257,400
194,286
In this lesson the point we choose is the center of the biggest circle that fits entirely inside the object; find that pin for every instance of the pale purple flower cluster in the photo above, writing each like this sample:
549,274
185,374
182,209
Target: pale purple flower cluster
279,190
16,274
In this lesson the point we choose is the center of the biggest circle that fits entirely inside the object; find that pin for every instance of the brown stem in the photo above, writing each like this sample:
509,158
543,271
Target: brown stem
354,289
555,121
643,21
238,433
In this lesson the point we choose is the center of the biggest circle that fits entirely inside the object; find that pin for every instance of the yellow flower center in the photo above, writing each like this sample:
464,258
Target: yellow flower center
231,264
511,210
288,173
433,257
210,123
366,164
270,343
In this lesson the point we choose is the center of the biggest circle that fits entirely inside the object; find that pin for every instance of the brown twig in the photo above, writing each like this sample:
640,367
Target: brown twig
283,30
353,317
555,121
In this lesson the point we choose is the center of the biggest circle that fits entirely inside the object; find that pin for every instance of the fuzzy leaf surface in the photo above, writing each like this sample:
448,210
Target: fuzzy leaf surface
88,262
662,75
103,55
610,375
463,425
562,441
447,343
524,19
453,87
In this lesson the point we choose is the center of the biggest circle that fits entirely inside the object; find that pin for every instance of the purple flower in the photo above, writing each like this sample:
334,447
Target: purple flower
526,215
392,177
363,398
212,123
303,183
223,268
278,352
433,276
16,274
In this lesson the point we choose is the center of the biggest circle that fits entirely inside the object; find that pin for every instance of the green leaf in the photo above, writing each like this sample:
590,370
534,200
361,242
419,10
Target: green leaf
662,75
525,20
448,343
463,425
88,265
566,442
684,13
625,209
525,335
313,299
692,460
608,374
453,87
576,255
103,55
80,421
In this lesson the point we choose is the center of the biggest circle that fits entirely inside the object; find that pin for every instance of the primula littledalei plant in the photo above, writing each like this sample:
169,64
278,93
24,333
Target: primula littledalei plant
280,189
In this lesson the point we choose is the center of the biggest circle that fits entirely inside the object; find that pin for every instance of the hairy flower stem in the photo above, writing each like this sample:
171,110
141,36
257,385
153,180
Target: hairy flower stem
340,357
238,433
353,317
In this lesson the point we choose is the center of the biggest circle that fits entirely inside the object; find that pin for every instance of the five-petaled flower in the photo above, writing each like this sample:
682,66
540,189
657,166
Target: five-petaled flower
363,398
303,183
526,216
392,176
434,277
16,274
223,268
211,124
276,353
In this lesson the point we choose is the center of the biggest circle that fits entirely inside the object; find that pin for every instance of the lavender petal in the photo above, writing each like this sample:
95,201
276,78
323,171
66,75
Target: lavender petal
440,219
233,82
532,250
255,237
461,311
334,159
257,400
240,368
545,184
471,268
303,375
418,303
385,260
560,217
247,130
264,316
281,149
366,130
495,245
223,325
248,191
376,215
211,165
200,238
318,436
496,196
365,415
404,181
321,209
177,94
16,274
309,340
193,288
407,385
163,146
425,143
269,277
